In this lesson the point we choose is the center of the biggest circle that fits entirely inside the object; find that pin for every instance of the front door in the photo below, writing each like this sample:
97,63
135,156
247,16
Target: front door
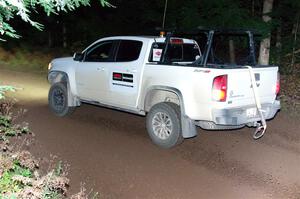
91,73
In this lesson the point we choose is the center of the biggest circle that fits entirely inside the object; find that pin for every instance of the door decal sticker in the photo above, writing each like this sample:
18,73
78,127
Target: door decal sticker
123,77
116,84
117,76
122,82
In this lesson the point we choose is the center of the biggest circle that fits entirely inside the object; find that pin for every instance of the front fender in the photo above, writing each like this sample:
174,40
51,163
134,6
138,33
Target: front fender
59,76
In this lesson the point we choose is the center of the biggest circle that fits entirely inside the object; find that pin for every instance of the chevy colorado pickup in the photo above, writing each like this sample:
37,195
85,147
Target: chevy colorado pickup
173,81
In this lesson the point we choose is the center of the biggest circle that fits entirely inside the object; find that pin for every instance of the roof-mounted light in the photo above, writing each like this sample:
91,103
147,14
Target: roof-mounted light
176,41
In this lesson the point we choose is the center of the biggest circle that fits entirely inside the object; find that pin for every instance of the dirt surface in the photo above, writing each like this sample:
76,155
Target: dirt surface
110,152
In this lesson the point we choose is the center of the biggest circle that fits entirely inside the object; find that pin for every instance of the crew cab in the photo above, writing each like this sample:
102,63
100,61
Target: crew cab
176,83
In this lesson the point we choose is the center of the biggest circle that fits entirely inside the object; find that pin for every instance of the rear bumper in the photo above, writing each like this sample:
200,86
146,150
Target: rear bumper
238,116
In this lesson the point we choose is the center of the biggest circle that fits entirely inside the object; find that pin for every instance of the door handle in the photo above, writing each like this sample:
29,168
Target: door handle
100,69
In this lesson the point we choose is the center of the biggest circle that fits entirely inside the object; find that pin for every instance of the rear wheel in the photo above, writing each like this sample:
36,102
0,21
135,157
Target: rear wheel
58,100
164,124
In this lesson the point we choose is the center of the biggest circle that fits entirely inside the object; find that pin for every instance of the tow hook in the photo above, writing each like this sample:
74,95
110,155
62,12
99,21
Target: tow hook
260,131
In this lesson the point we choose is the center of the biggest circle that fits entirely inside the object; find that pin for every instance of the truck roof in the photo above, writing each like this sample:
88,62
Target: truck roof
143,38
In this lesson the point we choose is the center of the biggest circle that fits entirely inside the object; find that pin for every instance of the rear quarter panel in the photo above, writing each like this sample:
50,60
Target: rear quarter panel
194,84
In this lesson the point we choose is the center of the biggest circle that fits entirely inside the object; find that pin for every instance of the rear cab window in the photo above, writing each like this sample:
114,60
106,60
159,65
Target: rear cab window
178,52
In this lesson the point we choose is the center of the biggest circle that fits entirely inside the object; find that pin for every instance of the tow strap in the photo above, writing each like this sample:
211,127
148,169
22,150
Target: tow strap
260,127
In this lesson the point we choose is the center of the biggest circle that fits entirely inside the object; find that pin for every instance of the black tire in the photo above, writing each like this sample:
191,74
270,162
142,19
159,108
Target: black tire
169,134
58,100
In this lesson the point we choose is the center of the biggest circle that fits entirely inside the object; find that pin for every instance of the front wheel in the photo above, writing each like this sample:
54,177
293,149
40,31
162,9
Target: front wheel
164,124
58,100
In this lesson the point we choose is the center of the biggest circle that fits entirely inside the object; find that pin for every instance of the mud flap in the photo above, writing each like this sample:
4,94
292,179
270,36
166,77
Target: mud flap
188,127
72,100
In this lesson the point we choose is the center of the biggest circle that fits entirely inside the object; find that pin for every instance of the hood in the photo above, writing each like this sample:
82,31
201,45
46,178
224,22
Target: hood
62,60
61,63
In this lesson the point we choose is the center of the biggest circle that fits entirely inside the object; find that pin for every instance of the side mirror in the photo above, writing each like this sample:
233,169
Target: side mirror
78,56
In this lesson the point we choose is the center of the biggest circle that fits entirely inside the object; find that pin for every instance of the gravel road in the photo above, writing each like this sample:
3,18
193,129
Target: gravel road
110,152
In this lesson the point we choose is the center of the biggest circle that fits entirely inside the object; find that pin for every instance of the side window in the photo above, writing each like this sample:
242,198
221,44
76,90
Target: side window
100,53
129,50
175,52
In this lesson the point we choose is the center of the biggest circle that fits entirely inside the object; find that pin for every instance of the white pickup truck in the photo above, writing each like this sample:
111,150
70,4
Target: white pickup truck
171,81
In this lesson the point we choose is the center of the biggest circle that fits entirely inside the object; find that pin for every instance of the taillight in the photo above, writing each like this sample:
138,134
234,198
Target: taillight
219,89
278,84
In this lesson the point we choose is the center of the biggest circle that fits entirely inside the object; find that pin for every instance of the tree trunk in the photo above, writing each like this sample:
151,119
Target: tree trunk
295,32
64,31
253,8
50,39
231,51
278,43
264,51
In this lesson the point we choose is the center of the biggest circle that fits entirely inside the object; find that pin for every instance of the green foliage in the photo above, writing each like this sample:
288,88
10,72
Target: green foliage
51,194
18,170
11,8
19,175
8,129
4,89
190,14
58,170
5,121
288,41
26,59
7,182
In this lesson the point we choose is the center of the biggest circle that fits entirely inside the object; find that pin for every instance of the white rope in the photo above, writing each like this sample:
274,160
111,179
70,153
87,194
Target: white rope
261,128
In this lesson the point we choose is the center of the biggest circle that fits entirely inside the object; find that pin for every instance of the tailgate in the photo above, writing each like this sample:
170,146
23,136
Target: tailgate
240,92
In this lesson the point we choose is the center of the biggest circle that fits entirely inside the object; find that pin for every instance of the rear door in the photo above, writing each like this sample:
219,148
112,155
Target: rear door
125,73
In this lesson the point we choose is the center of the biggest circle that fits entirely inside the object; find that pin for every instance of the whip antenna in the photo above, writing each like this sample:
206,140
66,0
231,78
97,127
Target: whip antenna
165,11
